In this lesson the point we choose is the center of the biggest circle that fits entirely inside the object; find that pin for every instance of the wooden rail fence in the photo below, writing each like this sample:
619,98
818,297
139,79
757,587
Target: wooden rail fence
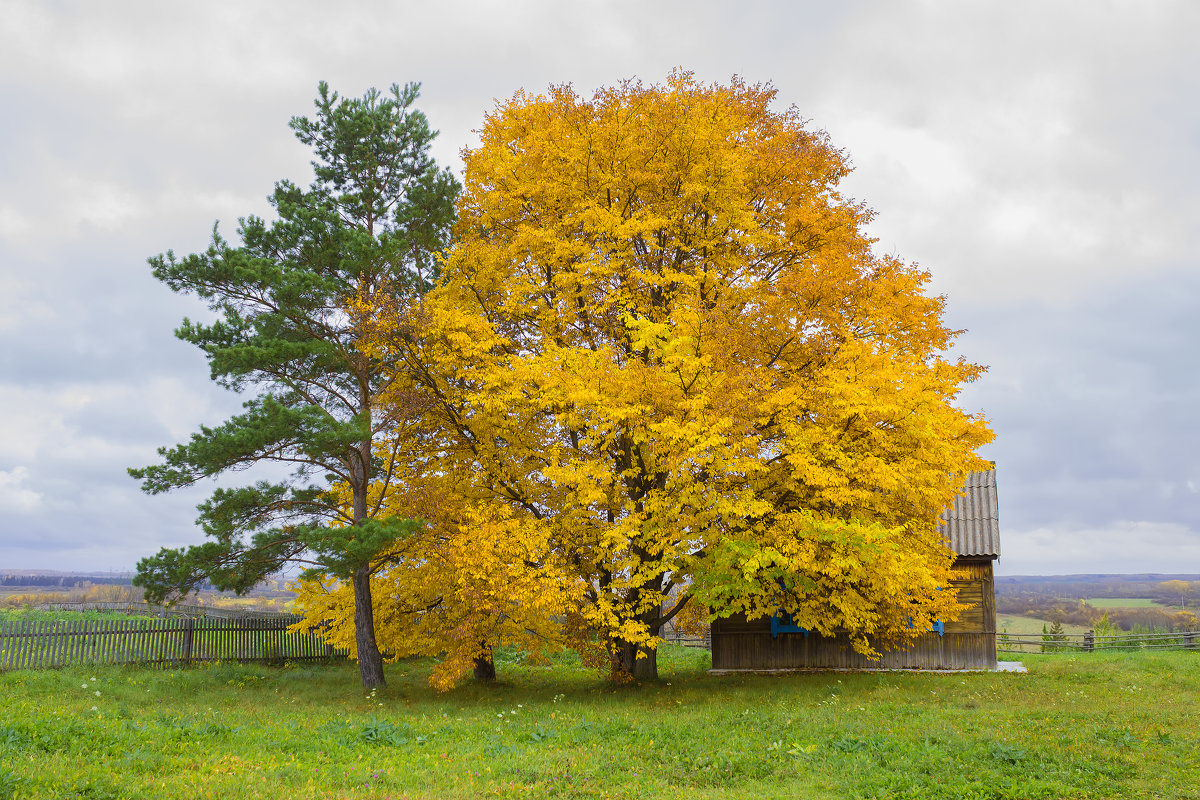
37,644
1037,643
1091,642
687,640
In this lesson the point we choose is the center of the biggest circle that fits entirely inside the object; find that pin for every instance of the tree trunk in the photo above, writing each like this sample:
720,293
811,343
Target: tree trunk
642,670
370,661
485,668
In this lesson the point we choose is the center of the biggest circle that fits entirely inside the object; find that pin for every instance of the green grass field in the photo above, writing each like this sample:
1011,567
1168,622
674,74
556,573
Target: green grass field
1089,727
1019,625
1122,602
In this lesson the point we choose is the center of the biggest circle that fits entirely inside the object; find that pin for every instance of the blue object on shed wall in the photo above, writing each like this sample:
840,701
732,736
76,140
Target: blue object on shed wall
938,627
782,623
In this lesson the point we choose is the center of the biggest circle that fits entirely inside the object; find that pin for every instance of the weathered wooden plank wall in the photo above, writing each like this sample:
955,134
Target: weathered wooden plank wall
968,643
753,648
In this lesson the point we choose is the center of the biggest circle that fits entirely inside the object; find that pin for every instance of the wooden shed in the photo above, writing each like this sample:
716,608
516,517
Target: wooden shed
972,528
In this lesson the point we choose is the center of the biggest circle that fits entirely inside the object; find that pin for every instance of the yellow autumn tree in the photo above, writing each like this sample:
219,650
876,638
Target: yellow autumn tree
663,341
454,592
473,575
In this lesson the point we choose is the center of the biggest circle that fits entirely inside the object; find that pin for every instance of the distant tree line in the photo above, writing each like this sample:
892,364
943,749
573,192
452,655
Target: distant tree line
77,581
63,581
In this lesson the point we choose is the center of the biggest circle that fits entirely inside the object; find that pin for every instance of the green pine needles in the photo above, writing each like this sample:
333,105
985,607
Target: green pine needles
373,221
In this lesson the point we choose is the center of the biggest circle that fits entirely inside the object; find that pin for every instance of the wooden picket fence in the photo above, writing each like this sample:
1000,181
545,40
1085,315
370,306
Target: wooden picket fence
39,644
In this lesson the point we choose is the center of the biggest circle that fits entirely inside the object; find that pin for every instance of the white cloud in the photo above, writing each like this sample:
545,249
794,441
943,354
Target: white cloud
13,223
14,497
1120,547
180,409
102,204
109,423
22,306
28,422
1008,150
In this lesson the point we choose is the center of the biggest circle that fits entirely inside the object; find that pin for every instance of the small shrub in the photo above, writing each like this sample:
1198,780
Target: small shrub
381,731
1007,753
1053,636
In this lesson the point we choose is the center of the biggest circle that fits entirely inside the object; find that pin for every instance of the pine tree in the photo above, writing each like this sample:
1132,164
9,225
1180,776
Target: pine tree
370,225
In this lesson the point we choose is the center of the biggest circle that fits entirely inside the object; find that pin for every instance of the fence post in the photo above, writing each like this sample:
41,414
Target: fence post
189,625
1189,640
1089,641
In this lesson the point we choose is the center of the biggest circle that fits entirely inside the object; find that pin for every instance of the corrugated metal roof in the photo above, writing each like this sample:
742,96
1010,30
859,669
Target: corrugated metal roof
973,525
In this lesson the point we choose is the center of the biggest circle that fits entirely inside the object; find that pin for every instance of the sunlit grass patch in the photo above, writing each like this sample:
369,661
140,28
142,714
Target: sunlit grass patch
1019,625
1122,602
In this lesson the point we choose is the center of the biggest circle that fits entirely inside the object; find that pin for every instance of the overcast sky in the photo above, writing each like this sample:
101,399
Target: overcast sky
1041,159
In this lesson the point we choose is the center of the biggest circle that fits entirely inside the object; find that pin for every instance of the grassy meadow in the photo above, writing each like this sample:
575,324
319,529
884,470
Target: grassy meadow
21,599
1123,602
1021,625
1098,726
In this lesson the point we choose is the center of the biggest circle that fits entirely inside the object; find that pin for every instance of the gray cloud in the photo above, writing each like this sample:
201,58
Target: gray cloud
1038,159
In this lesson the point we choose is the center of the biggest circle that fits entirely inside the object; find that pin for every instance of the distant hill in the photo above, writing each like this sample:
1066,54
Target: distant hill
51,578
54,573
1085,577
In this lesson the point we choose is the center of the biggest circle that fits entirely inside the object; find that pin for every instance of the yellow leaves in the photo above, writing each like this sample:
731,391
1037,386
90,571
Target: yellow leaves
481,574
763,559
662,349
885,585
